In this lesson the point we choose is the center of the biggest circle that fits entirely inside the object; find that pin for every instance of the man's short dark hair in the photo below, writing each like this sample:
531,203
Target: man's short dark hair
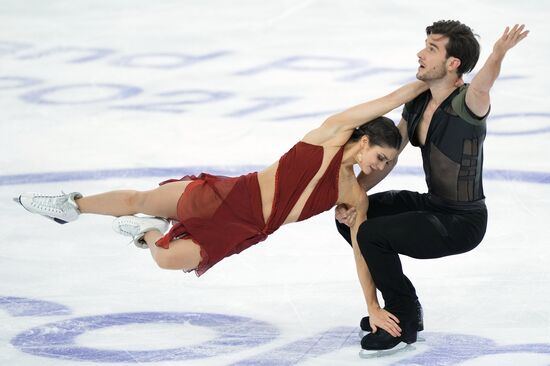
462,43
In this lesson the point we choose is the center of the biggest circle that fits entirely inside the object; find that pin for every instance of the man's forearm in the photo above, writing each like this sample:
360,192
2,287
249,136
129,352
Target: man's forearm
477,96
487,75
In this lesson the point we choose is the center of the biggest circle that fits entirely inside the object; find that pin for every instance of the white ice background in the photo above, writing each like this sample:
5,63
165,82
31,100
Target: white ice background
103,95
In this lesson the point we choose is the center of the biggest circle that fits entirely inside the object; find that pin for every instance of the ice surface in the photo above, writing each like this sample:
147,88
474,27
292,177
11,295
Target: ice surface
99,95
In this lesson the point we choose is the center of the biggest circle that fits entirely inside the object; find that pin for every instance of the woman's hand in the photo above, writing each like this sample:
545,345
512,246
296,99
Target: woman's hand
381,318
345,215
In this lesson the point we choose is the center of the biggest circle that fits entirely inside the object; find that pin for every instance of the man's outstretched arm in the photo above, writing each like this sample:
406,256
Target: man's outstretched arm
477,96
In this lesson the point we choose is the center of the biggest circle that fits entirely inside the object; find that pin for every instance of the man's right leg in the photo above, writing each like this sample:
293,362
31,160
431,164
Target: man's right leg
386,204
417,234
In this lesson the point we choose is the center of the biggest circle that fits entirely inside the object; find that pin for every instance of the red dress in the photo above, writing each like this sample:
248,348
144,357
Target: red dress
224,216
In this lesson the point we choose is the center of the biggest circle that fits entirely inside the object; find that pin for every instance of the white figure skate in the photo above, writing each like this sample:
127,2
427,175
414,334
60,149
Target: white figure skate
136,227
61,208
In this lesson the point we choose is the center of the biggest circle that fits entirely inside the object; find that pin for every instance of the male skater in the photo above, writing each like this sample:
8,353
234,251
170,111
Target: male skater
448,123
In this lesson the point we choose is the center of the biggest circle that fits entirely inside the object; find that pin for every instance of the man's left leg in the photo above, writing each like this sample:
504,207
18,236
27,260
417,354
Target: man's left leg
418,234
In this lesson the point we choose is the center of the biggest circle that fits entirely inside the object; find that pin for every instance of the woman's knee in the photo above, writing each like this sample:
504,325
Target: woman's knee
179,259
136,200
168,261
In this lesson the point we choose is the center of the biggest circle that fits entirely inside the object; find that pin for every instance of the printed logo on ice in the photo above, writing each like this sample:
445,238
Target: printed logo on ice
117,91
232,334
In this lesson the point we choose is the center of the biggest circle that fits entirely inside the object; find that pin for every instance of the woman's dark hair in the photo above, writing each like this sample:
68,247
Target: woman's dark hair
462,43
381,131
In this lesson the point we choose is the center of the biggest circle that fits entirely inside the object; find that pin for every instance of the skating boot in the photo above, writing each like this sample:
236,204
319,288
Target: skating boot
365,324
136,227
382,340
61,208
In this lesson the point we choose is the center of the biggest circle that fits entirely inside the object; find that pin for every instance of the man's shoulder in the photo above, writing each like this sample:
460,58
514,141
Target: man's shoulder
461,92
421,98
416,103
459,107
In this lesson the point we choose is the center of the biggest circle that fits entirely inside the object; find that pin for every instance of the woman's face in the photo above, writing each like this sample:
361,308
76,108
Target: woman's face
374,157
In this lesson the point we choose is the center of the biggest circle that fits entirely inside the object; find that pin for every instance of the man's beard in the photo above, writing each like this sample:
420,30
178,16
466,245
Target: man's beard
435,74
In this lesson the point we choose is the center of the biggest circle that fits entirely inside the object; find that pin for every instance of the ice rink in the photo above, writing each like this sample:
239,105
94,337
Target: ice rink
103,95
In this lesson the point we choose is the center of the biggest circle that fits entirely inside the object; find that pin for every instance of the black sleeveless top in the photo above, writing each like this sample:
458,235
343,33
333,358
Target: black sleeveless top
453,152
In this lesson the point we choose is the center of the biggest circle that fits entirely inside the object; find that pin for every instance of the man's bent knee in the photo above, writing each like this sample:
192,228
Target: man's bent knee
370,234
345,231
364,231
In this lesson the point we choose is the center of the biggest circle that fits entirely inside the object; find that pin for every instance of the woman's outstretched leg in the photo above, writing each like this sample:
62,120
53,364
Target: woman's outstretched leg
161,202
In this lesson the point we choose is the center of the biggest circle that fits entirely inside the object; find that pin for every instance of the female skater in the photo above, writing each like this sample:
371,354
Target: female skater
216,217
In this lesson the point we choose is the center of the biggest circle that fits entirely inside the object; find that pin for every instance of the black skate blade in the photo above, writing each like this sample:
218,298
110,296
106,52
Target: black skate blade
17,200
399,348
59,221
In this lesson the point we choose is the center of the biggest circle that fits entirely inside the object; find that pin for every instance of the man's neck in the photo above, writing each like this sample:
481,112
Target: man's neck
441,89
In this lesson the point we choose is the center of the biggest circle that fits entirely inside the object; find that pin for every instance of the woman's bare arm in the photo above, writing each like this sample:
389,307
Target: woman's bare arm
338,128
378,316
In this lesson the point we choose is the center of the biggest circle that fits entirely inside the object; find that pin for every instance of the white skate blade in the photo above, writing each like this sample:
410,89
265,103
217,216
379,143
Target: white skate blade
401,347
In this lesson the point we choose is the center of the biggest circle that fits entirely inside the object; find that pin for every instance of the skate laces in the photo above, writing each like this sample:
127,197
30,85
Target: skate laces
129,228
48,203
132,228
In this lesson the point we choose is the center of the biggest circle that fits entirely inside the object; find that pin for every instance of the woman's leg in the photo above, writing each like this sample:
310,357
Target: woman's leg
161,201
183,254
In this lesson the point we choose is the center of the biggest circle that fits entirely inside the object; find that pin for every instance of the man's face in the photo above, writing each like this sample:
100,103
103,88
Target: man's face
433,58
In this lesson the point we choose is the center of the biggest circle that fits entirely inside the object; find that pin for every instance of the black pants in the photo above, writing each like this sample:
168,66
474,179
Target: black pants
416,225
